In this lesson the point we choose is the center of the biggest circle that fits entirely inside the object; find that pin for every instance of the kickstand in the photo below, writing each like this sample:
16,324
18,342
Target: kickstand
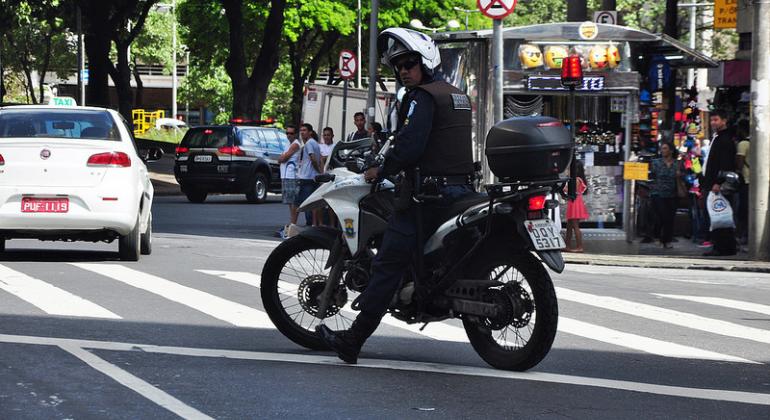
423,326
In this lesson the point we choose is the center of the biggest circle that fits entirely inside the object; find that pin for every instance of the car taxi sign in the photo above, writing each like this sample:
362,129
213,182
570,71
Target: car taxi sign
62,101
348,64
496,9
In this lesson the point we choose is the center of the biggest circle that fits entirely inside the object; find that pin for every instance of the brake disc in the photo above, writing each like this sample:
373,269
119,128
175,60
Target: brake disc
310,290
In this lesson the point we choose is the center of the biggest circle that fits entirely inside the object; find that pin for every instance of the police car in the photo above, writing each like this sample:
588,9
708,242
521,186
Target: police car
238,158
74,174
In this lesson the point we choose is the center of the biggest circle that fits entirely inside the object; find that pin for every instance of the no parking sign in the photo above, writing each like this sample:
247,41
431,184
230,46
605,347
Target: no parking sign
496,9
348,64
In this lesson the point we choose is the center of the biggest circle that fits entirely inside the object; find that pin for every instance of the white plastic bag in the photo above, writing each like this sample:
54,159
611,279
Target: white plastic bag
720,212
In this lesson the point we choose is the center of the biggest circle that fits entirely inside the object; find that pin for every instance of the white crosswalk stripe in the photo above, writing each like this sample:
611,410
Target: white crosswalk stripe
655,313
446,332
215,306
49,298
725,303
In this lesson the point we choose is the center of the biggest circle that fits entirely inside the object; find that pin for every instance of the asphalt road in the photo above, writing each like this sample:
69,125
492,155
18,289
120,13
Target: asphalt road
183,333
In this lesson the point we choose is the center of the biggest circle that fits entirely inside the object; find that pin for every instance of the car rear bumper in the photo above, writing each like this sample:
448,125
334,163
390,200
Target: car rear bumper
236,179
89,210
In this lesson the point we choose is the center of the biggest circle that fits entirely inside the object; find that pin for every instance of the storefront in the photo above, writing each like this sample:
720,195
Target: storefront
618,61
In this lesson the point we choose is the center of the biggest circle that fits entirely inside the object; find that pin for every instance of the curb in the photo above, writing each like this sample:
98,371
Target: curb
644,262
164,185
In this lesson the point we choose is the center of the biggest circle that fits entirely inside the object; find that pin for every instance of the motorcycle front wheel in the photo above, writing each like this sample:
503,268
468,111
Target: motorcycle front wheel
293,280
523,332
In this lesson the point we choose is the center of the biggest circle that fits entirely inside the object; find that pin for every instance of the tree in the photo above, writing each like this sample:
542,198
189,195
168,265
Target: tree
577,10
34,33
152,46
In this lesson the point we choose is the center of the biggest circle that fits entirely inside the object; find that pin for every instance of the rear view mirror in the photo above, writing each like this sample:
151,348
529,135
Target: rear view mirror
63,125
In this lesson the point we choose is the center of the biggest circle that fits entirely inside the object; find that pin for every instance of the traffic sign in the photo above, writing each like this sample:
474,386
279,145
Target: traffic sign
609,17
496,9
348,64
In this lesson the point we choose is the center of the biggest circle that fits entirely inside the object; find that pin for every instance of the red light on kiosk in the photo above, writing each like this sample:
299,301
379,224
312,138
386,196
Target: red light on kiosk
678,116
208,131
572,71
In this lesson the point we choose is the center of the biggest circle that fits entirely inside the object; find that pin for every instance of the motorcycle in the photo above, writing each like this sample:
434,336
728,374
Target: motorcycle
479,266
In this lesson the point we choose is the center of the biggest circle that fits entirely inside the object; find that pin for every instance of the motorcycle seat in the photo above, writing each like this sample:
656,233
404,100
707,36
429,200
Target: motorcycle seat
445,213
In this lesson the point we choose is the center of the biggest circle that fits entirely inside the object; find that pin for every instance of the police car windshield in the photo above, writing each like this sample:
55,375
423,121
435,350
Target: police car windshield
61,123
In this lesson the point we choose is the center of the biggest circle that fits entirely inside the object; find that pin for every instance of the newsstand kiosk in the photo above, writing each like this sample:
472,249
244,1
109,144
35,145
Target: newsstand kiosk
616,61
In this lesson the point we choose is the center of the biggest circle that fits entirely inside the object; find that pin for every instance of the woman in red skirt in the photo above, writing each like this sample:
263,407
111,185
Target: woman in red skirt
576,211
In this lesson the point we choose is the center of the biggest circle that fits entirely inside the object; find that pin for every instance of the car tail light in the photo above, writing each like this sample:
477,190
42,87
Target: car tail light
208,131
2,160
111,159
181,149
536,203
232,150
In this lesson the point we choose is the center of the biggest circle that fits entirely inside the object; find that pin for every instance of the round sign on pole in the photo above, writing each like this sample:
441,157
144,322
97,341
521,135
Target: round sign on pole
348,64
496,9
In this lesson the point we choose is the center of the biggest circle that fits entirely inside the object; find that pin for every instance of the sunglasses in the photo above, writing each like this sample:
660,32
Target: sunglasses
407,64
290,133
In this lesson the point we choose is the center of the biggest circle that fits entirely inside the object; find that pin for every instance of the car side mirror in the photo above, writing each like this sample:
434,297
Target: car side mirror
152,154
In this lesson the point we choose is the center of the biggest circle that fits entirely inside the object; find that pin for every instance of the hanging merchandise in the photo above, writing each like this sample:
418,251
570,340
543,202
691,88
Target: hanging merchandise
597,58
613,56
554,54
530,56
522,106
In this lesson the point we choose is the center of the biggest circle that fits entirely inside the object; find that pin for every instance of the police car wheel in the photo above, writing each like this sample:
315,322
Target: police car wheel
195,195
258,190
2,244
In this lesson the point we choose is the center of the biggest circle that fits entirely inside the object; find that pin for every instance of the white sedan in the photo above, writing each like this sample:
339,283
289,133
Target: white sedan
73,174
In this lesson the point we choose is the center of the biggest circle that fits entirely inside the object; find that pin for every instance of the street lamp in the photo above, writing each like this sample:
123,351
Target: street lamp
467,14
417,24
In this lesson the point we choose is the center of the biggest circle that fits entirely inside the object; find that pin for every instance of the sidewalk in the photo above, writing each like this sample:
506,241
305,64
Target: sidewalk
609,247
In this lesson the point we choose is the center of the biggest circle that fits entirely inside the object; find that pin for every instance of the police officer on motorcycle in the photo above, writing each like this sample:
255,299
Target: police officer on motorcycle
433,147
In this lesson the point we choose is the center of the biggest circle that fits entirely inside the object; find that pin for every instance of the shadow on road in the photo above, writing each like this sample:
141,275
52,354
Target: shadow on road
55,255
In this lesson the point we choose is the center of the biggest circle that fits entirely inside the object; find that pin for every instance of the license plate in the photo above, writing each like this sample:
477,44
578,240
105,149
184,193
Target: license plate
544,234
45,205
202,158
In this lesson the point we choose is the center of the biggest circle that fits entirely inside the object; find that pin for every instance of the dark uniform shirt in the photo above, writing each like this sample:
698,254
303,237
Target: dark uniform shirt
413,132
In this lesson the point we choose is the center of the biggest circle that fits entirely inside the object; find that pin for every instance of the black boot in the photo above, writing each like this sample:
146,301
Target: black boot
347,344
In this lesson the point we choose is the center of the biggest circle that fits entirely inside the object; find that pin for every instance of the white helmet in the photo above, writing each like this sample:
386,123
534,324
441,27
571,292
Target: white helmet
395,42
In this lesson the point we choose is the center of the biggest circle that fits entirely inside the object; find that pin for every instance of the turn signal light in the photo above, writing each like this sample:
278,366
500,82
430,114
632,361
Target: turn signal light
110,159
232,150
180,150
571,71
536,203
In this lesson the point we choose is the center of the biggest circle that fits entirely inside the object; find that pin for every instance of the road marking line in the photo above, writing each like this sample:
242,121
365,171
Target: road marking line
225,310
49,298
641,343
726,303
135,384
682,319
435,330
399,365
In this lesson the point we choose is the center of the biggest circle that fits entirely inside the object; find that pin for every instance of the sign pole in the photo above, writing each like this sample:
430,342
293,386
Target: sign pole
497,75
344,108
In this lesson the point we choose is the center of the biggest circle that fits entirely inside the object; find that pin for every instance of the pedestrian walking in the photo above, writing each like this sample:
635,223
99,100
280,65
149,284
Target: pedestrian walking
721,158
359,119
576,211
309,168
742,166
289,161
666,174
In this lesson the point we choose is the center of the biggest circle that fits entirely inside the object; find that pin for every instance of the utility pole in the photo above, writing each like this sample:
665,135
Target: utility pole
759,157
358,45
173,71
81,59
371,100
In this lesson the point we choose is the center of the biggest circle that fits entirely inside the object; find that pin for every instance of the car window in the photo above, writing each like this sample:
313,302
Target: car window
61,123
252,138
203,137
282,139
273,142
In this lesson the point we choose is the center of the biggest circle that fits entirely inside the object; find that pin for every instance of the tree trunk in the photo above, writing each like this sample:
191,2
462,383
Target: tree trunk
121,77
609,4
139,97
46,62
672,16
98,51
577,11
296,82
671,29
249,92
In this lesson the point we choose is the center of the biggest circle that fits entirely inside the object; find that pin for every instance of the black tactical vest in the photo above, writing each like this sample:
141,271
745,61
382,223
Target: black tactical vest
449,150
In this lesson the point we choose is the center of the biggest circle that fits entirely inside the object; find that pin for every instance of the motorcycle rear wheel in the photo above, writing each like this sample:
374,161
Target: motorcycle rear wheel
533,329
292,279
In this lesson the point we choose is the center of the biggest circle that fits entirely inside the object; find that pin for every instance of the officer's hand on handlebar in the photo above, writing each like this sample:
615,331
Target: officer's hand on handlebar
372,175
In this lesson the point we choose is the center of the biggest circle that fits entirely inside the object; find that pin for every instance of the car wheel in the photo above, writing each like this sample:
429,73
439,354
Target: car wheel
258,190
129,245
2,244
146,240
196,196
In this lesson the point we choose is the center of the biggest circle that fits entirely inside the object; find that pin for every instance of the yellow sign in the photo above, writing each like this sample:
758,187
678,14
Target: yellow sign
638,171
725,14
588,30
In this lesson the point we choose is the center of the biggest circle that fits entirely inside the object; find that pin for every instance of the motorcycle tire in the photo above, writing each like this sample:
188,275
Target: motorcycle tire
541,292
273,299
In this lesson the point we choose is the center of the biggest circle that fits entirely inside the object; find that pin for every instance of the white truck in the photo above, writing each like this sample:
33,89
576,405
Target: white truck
322,107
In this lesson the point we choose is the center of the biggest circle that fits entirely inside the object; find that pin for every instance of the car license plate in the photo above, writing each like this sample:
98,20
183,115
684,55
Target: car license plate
45,205
544,234
202,158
